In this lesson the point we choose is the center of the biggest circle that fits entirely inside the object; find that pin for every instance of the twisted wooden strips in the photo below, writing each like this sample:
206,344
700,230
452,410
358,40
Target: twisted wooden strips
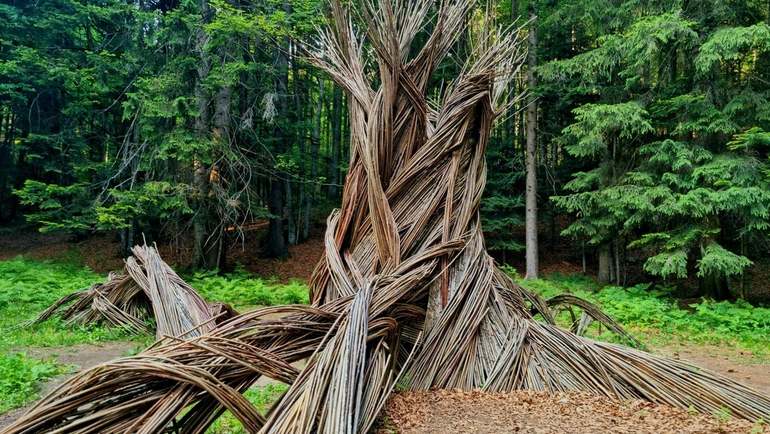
149,288
146,393
479,327
408,232
177,308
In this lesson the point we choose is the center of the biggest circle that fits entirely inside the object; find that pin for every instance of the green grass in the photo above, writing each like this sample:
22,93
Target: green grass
262,398
657,319
20,376
28,286
242,290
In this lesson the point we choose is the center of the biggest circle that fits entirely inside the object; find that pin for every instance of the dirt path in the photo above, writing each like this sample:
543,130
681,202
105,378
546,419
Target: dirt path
729,362
82,356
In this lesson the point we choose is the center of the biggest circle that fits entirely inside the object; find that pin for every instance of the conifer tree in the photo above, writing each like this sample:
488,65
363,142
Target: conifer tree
673,97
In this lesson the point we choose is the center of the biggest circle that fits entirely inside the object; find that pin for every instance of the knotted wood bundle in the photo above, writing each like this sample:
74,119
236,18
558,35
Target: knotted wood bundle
147,291
405,289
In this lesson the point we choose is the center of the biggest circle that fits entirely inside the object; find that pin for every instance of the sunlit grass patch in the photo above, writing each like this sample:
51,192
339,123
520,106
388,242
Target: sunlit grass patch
26,288
20,378
654,316
241,289
262,397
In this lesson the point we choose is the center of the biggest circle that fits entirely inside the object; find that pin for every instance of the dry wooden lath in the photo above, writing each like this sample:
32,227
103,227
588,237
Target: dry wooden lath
405,291
147,292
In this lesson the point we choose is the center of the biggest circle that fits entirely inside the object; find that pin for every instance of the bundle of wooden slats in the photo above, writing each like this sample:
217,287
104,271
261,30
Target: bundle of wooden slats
405,291
148,292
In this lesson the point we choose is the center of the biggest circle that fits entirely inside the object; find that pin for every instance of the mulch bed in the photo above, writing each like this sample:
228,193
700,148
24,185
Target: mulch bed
542,413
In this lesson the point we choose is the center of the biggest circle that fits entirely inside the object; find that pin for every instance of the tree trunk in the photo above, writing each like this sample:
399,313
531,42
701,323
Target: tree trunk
715,287
744,278
215,244
277,237
605,264
288,213
336,143
315,144
202,120
6,165
531,221
617,262
296,137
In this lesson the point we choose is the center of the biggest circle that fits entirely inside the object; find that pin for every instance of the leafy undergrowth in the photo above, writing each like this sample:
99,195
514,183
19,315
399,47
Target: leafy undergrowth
243,290
262,398
658,320
28,286
19,378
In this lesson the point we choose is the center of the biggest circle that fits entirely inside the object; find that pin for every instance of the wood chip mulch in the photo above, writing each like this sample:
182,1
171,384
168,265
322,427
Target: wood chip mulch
542,413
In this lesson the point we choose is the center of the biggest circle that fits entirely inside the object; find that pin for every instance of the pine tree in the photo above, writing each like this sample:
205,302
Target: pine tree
673,100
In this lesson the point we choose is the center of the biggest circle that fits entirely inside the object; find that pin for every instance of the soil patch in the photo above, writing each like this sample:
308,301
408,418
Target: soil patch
101,253
82,356
543,413
738,365
299,265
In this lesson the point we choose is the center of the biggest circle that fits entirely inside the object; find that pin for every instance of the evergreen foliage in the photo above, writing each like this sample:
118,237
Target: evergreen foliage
194,119
668,128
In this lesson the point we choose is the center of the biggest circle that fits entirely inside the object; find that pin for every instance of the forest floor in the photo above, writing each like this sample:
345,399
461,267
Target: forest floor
445,411
729,338
101,253
77,357
730,362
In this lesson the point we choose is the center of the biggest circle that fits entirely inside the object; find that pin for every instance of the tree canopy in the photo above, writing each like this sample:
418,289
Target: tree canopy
193,119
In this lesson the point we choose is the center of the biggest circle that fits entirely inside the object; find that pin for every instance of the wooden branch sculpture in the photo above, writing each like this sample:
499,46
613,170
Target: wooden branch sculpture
405,289
148,289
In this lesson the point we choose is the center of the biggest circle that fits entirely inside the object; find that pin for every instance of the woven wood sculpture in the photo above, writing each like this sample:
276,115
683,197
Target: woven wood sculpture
405,291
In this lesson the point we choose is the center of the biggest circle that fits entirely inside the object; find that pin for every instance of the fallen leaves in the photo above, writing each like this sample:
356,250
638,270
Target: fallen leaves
455,411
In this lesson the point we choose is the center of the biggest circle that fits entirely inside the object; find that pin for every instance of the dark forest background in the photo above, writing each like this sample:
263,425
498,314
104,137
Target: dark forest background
202,121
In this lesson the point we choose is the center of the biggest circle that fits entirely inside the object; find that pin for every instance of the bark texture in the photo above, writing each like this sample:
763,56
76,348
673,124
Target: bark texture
531,183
